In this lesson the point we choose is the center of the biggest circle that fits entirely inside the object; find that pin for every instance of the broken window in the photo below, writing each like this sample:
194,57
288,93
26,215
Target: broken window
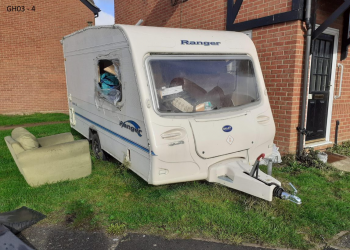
108,87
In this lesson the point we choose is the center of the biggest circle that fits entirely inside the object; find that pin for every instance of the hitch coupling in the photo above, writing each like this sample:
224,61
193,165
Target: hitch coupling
280,193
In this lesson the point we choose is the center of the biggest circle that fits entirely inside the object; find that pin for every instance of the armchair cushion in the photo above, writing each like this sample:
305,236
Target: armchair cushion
25,138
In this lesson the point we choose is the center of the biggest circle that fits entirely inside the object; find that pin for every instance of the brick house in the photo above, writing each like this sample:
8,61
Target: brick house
32,67
278,29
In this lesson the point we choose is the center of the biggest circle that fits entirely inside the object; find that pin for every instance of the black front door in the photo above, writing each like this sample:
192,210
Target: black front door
320,82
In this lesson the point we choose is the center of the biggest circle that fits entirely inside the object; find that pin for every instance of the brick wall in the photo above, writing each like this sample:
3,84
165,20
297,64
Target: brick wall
194,14
32,67
253,9
280,48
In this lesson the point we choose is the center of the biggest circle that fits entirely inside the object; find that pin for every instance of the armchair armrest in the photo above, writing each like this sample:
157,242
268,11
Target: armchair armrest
55,139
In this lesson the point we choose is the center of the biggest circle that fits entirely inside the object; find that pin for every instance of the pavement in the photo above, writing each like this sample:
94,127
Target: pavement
47,237
54,237
147,242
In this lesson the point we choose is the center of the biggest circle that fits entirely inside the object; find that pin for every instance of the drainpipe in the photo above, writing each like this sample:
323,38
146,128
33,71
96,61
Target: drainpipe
302,130
336,132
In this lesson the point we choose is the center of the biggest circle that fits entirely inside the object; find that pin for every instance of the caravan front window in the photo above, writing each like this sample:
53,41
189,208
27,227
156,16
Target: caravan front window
198,85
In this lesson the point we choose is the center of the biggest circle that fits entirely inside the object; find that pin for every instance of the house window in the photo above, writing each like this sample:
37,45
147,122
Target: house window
109,81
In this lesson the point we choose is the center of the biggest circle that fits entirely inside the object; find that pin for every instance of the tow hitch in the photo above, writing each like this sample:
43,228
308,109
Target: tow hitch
238,175
280,193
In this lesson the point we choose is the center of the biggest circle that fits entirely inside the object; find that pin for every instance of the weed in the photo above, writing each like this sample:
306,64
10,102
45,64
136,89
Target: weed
309,158
116,228
123,167
343,149
126,164
289,158
295,164
293,168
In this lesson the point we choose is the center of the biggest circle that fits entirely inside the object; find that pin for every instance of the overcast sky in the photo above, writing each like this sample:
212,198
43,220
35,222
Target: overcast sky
106,15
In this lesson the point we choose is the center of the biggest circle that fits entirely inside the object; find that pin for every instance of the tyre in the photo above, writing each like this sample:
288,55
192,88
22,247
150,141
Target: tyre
96,148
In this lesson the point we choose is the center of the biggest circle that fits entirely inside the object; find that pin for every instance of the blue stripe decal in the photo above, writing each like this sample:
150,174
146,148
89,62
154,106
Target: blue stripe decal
117,135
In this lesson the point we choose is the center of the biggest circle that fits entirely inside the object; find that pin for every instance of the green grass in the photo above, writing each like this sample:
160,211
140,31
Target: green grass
9,120
342,149
114,199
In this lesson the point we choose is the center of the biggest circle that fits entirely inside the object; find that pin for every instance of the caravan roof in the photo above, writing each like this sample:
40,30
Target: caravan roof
144,39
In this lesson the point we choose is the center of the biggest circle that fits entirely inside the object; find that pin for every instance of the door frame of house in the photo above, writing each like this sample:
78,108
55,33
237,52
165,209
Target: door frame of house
335,33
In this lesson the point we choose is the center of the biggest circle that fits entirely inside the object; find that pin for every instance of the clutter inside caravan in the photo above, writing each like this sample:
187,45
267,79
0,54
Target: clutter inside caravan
109,85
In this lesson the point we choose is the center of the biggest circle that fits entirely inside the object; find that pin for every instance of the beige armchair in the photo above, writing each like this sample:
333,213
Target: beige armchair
49,159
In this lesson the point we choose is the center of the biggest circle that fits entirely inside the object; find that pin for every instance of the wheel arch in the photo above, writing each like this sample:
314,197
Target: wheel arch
92,130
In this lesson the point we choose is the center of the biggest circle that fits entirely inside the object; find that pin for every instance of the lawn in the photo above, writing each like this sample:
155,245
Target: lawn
116,200
9,120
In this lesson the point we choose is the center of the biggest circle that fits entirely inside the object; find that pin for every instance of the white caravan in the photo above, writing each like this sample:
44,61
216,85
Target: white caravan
185,105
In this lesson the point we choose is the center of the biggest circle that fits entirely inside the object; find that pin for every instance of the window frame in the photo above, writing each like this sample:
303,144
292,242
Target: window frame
153,90
106,104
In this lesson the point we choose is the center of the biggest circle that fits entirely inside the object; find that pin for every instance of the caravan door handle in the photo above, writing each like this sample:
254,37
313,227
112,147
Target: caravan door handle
176,143
341,80
263,119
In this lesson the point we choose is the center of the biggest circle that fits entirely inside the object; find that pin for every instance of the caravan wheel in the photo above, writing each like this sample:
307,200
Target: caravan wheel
96,148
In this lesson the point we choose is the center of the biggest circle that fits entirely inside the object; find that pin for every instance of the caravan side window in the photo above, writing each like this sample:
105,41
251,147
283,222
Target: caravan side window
109,81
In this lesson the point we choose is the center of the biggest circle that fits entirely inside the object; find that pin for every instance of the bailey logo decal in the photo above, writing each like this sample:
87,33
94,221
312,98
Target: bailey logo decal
132,126
226,128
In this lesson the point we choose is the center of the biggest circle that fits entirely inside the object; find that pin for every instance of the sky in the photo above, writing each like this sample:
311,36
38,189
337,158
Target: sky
106,15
